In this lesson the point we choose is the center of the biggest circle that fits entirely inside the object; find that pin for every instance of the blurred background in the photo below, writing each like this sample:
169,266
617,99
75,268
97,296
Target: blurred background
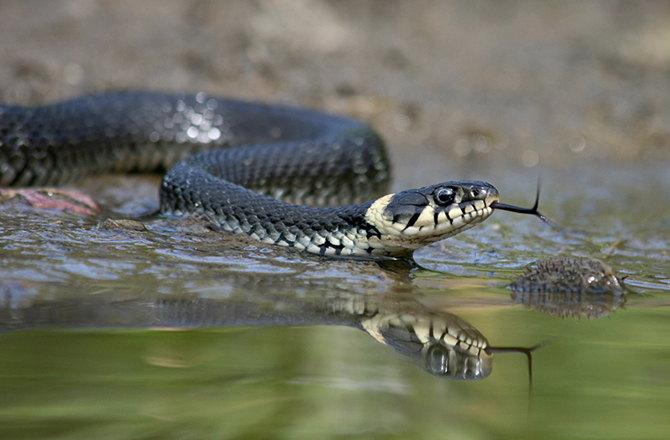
502,91
451,86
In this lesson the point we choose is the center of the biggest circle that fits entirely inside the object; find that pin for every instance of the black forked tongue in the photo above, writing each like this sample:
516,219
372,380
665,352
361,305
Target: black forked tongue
520,210
527,351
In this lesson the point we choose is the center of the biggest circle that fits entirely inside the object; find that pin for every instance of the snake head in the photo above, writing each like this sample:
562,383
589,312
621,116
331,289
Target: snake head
444,344
414,218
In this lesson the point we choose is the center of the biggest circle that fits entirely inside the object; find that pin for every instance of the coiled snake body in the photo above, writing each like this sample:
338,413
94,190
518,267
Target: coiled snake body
245,166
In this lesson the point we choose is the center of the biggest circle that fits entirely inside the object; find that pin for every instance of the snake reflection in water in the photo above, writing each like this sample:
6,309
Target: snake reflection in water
437,341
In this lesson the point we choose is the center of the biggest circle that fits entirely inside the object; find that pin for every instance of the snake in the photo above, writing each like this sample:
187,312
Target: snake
281,175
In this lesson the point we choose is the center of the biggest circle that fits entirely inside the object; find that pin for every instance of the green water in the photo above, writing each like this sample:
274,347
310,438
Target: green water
593,378
604,379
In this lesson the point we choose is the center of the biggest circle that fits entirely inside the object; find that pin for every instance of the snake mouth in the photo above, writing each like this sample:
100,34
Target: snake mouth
449,222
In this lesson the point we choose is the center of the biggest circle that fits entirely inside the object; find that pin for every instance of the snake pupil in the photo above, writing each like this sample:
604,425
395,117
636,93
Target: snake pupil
444,196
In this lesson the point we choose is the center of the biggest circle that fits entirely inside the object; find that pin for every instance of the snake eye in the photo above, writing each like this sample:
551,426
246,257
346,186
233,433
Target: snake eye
444,196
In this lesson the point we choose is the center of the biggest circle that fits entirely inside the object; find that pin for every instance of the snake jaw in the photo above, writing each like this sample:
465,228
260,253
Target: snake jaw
415,218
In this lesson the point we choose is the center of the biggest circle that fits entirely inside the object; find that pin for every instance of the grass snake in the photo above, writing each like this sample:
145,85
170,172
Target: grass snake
244,165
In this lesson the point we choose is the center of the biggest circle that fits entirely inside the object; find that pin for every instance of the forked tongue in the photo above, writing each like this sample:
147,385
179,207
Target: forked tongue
520,210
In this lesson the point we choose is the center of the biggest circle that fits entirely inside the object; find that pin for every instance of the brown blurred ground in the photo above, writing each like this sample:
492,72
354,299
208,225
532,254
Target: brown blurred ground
454,87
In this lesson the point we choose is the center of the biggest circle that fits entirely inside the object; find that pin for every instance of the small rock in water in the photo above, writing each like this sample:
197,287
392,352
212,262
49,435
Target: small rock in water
569,275
570,287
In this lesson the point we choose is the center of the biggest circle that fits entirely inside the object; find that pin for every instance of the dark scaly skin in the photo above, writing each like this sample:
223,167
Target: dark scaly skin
294,154
126,131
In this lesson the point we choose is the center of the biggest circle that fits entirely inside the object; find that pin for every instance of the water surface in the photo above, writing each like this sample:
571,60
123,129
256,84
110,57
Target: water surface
99,372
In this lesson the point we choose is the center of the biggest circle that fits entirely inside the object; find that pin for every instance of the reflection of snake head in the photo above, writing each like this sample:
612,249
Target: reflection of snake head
411,219
444,344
